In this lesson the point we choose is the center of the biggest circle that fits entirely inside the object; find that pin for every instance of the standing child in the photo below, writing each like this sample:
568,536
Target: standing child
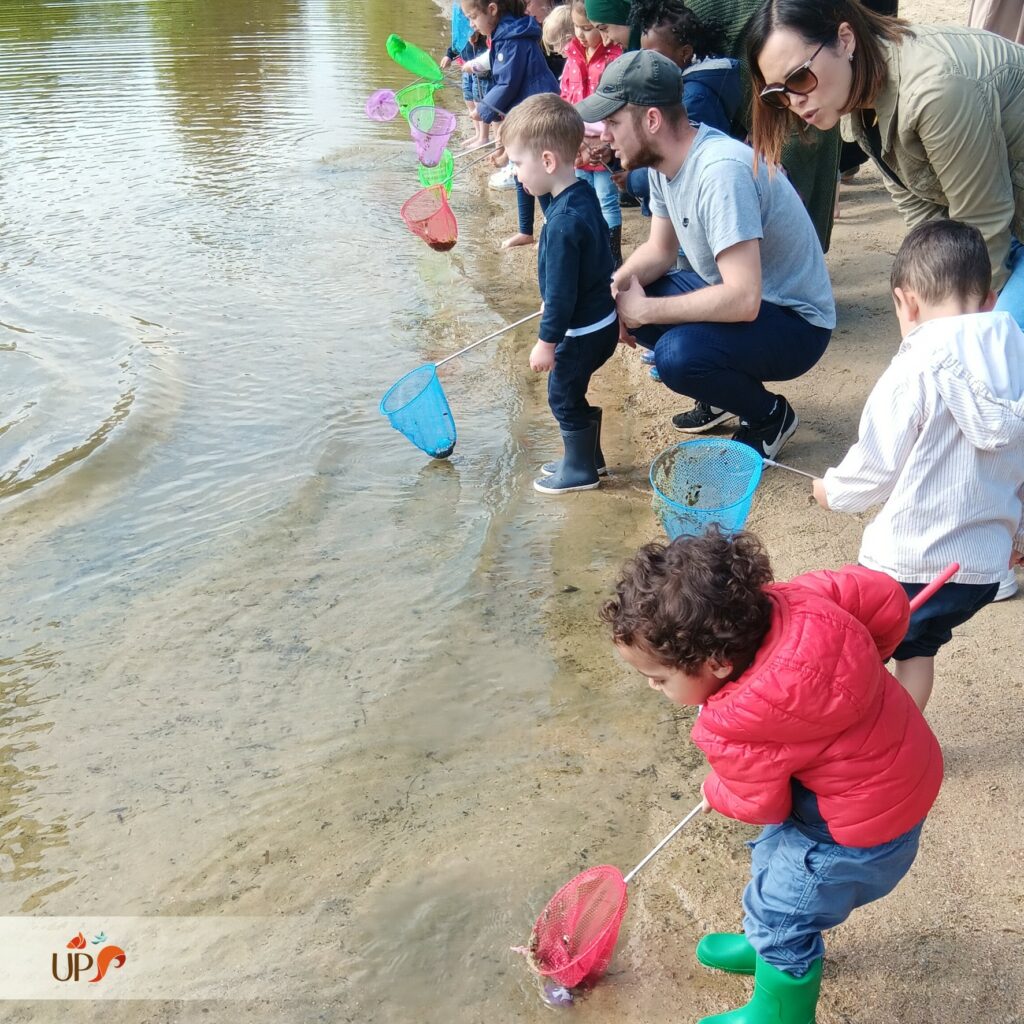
805,732
941,443
518,70
466,46
579,326
586,57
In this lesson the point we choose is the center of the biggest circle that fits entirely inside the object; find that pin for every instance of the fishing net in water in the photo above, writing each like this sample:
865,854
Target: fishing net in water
431,128
419,94
428,215
708,480
574,937
442,174
382,105
417,407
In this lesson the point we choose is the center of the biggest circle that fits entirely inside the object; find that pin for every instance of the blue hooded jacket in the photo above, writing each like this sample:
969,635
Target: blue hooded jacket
713,95
518,68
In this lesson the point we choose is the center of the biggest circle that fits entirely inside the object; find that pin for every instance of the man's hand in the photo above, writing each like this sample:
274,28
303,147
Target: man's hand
542,357
620,178
631,301
818,490
625,338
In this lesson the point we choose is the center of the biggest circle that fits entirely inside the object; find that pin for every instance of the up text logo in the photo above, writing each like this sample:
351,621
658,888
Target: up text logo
75,965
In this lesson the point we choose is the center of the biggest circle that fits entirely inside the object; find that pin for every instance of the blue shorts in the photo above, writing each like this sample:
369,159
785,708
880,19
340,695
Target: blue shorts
933,623
800,887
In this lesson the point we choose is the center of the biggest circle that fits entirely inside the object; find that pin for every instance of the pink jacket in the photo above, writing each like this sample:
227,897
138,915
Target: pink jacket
818,705
580,76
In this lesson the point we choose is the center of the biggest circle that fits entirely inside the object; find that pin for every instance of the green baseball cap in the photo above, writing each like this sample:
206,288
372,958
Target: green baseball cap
642,77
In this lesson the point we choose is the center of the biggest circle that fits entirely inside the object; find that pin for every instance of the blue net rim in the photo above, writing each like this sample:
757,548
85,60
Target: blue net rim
721,444
385,410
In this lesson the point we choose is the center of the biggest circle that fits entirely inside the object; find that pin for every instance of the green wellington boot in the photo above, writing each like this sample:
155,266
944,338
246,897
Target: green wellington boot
778,998
727,951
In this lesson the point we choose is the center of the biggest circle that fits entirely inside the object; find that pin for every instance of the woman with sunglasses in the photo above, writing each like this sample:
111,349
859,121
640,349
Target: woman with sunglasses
939,109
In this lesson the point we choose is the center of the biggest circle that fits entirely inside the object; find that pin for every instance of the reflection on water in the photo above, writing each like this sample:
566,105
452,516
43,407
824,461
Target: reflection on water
289,665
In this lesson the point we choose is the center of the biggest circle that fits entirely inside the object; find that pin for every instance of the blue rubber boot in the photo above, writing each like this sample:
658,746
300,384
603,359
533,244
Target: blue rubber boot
578,469
779,998
727,951
551,468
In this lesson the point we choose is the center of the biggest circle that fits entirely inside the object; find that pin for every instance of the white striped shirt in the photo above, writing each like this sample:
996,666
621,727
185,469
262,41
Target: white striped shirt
941,442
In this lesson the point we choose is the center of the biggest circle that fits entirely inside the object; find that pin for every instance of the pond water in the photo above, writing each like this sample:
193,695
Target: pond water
260,655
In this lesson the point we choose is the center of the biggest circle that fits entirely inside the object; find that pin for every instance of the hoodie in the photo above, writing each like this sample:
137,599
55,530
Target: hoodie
713,94
518,68
941,443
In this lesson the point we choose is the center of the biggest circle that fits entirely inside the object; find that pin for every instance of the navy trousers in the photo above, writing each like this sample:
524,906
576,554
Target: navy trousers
726,364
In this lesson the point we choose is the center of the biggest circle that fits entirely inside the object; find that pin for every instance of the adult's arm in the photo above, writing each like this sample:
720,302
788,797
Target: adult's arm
953,117
653,258
736,300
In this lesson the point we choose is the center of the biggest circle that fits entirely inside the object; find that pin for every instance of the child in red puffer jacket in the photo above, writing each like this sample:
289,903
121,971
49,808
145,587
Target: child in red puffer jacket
805,730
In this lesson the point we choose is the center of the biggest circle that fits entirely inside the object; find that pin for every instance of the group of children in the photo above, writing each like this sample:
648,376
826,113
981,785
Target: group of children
805,729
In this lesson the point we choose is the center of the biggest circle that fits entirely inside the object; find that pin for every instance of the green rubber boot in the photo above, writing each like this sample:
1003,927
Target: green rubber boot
778,998
727,951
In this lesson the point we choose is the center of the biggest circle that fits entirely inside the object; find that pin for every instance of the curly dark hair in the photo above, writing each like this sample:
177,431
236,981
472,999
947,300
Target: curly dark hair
706,37
694,599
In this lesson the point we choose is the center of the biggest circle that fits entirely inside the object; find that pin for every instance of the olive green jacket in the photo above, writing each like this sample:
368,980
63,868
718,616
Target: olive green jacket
811,157
951,126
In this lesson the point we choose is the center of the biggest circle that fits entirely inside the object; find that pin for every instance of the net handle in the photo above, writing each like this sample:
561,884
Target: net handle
941,580
504,330
679,828
791,469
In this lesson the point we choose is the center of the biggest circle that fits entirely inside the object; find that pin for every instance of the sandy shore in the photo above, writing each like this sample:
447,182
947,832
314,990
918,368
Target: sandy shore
947,944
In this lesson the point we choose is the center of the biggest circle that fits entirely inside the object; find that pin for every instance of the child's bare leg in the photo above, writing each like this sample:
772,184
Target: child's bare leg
916,676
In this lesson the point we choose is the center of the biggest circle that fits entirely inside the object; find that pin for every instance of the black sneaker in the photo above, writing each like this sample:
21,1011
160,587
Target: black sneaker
769,435
628,201
700,418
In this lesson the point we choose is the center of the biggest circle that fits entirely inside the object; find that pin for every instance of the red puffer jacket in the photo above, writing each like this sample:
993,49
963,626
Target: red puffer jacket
819,706
580,76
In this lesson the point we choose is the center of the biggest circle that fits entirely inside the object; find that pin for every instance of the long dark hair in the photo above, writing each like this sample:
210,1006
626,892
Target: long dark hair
706,37
817,22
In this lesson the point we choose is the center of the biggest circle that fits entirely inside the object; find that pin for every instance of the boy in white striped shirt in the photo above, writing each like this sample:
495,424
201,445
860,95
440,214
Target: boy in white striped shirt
941,443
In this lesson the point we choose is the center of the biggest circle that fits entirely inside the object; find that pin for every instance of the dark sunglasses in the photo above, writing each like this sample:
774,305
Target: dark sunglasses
799,82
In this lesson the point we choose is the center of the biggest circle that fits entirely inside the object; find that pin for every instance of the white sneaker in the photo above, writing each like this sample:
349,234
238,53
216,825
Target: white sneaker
1007,586
503,178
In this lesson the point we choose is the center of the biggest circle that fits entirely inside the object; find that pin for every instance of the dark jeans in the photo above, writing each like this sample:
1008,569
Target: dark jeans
638,185
576,361
932,625
526,208
725,364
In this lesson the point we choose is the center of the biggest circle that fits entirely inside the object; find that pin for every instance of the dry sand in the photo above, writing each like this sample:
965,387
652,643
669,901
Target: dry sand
946,946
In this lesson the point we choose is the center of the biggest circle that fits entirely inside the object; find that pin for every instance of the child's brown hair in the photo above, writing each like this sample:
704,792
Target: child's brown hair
695,599
544,122
943,259
517,8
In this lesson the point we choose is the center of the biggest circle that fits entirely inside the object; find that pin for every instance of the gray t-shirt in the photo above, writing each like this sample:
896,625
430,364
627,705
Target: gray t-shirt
715,202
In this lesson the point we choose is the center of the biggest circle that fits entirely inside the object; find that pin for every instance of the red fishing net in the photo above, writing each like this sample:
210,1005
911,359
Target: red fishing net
429,216
574,937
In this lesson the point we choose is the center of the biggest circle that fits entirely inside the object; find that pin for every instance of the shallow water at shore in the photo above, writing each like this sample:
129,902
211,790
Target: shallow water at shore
261,656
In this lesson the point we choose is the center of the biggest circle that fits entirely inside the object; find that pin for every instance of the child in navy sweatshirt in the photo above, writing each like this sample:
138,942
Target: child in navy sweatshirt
579,327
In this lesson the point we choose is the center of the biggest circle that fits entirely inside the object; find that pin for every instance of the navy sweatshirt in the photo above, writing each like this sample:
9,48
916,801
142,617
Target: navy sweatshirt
574,264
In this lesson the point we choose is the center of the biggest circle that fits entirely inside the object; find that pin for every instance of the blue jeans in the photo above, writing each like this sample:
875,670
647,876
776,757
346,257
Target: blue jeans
1011,298
576,361
799,887
725,364
526,208
601,182
638,185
